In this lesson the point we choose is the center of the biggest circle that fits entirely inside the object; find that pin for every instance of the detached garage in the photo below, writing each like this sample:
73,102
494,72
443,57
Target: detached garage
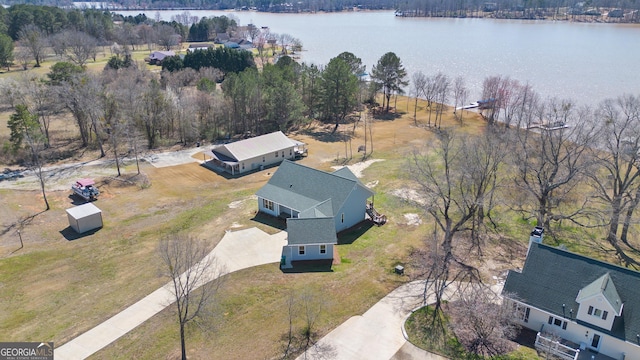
84,218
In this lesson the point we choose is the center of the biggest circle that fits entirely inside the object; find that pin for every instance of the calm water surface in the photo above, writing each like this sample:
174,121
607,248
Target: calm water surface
584,62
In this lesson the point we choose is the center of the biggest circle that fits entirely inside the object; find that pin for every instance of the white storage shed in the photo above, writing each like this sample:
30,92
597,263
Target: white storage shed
84,218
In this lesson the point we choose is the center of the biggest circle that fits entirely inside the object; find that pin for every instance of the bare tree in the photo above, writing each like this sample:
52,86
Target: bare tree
166,36
35,40
492,95
25,129
80,46
442,84
194,277
454,191
460,95
419,84
482,323
550,163
620,160
23,56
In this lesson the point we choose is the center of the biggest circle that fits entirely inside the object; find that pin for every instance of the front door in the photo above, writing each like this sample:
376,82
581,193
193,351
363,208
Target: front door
595,342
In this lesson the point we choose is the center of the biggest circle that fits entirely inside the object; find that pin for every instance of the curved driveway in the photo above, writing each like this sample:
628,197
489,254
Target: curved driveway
237,250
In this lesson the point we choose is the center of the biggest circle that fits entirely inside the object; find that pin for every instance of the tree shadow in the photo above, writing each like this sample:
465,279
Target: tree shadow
327,136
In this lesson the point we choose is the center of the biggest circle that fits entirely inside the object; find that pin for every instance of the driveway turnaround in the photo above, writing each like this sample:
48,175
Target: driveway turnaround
378,333
236,251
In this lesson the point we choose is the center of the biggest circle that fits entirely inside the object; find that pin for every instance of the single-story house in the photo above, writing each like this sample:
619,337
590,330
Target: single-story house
576,303
199,46
156,57
316,204
84,218
254,153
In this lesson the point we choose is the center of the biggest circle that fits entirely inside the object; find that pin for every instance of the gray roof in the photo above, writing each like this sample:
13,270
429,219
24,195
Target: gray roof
84,210
552,277
602,285
306,231
301,188
254,147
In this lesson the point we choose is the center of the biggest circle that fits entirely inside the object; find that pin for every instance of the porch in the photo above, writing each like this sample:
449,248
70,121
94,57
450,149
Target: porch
564,349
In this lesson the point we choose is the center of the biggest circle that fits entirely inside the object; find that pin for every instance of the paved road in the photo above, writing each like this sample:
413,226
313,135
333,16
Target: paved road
237,250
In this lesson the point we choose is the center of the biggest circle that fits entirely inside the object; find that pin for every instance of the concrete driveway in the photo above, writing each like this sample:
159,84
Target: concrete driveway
237,250
377,334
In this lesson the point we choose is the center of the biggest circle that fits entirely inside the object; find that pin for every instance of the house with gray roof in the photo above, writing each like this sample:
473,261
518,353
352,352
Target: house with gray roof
316,204
254,153
577,304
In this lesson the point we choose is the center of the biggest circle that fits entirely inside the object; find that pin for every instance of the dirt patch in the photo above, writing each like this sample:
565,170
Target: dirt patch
413,219
410,195
359,167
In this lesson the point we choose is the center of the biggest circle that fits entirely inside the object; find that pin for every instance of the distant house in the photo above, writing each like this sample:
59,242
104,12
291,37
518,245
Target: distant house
254,153
231,45
317,205
157,57
221,38
199,46
584,304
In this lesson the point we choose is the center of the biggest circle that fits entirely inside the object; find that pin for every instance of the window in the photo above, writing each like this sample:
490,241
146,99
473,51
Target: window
242,166
342,217
268,204
557,322
323,249
521,311
276,154
301,250
263,159
598,312
290,152
282,153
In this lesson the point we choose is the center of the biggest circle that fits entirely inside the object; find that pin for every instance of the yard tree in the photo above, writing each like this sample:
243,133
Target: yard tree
80,47
443,85
550,163
339,91
195,278
419,81
310,79
354,62
460,95
166,36
25,132
155,113
40,102
390,75
454,190
6,51
34,39
618,188
62,72
282,102
482,322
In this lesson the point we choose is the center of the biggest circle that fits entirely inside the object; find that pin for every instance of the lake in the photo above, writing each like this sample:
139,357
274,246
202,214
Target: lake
586,62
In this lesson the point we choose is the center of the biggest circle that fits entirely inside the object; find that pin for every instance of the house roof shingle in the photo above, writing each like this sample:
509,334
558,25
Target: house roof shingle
302,188
552,277
253,147
306,231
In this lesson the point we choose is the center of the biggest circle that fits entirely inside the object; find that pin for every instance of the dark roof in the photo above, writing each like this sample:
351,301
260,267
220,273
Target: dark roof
306,231
301,188
552,277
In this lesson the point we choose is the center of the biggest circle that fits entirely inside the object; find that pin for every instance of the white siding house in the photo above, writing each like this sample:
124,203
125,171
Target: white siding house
254,153
316,204
583,303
